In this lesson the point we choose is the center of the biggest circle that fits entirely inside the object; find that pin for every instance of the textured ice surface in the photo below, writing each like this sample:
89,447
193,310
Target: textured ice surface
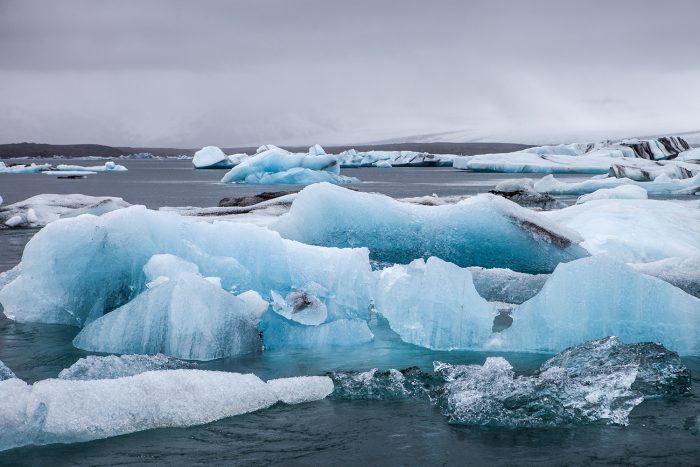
659,370
620,192
661,185
65,411
434,304
22,169
109,166
485,230
535,163
112,366
39,210
184,317
504,285
5,373
522,192
689,155
382,385
300,306
354,158
277,166
87,266
492,395
683,272
634,231
643,170
596,297
280,333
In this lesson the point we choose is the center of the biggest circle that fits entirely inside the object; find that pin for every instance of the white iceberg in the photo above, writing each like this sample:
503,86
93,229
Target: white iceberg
211,157
485,230
277,166
633,230
40,210
108,167
434,304
66,411
87,266
23,169
185,317
619,192
353,158
596,297
661,185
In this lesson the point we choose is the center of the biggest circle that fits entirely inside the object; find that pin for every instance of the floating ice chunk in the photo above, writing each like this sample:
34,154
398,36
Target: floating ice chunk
301,389
383,164
64,411
23,169
522,192
620,192
519,162
643,170
410,383
109,166
69,173
40,210
659,186
683,272
211,157
281,333
5,373
485,230
278,166
598,296
300,306
660,372
186,317
633,231
434,304
112,366
353,158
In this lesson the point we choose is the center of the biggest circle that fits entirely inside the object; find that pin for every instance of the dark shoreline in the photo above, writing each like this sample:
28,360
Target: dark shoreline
35,150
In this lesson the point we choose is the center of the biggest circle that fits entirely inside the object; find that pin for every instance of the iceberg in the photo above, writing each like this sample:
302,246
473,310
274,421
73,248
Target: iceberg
75,270
522,192
353,158
485,230
277,166
211,157
23,169
692,155
661,185
683,272
185,317
67,411
112,366
642,170
40,210
619,192
633,230
108,167
280,333
597,296
434,304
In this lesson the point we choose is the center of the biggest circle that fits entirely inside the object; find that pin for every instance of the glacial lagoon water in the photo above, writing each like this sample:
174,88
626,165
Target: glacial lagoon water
329,432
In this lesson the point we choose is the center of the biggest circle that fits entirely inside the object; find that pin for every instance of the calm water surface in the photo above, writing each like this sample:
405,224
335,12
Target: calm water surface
661,432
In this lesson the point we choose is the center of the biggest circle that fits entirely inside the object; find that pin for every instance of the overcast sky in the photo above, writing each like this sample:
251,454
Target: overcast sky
228,73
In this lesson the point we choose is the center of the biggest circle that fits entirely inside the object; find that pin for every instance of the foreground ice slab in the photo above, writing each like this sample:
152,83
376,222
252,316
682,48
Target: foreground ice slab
65,411
595,382
87,266
634,230
112,366
661,185
39,210
485,230
277,166
108,167
434,304
184,317
598,296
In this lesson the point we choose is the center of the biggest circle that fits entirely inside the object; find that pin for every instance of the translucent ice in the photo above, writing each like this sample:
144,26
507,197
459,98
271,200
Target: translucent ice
185,317
504,285
112,366
598,296
65,411
683,272
87,266
277,166
434,304
300,306
485,230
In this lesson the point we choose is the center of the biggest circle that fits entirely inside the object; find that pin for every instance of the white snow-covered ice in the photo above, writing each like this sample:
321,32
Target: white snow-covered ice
109,166
40,210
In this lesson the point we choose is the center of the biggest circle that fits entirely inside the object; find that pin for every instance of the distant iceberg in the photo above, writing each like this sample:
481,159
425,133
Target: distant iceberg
277,166
353,158
661,185
40,210
109,166
23,169
211,157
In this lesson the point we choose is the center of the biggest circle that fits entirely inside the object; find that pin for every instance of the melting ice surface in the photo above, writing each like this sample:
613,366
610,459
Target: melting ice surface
596,382
113,366
486,230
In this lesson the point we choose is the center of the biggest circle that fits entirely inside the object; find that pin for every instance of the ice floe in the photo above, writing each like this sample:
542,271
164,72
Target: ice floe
661,185
619,192
211,157
354,158
23,169
109,166
485,230
40,210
